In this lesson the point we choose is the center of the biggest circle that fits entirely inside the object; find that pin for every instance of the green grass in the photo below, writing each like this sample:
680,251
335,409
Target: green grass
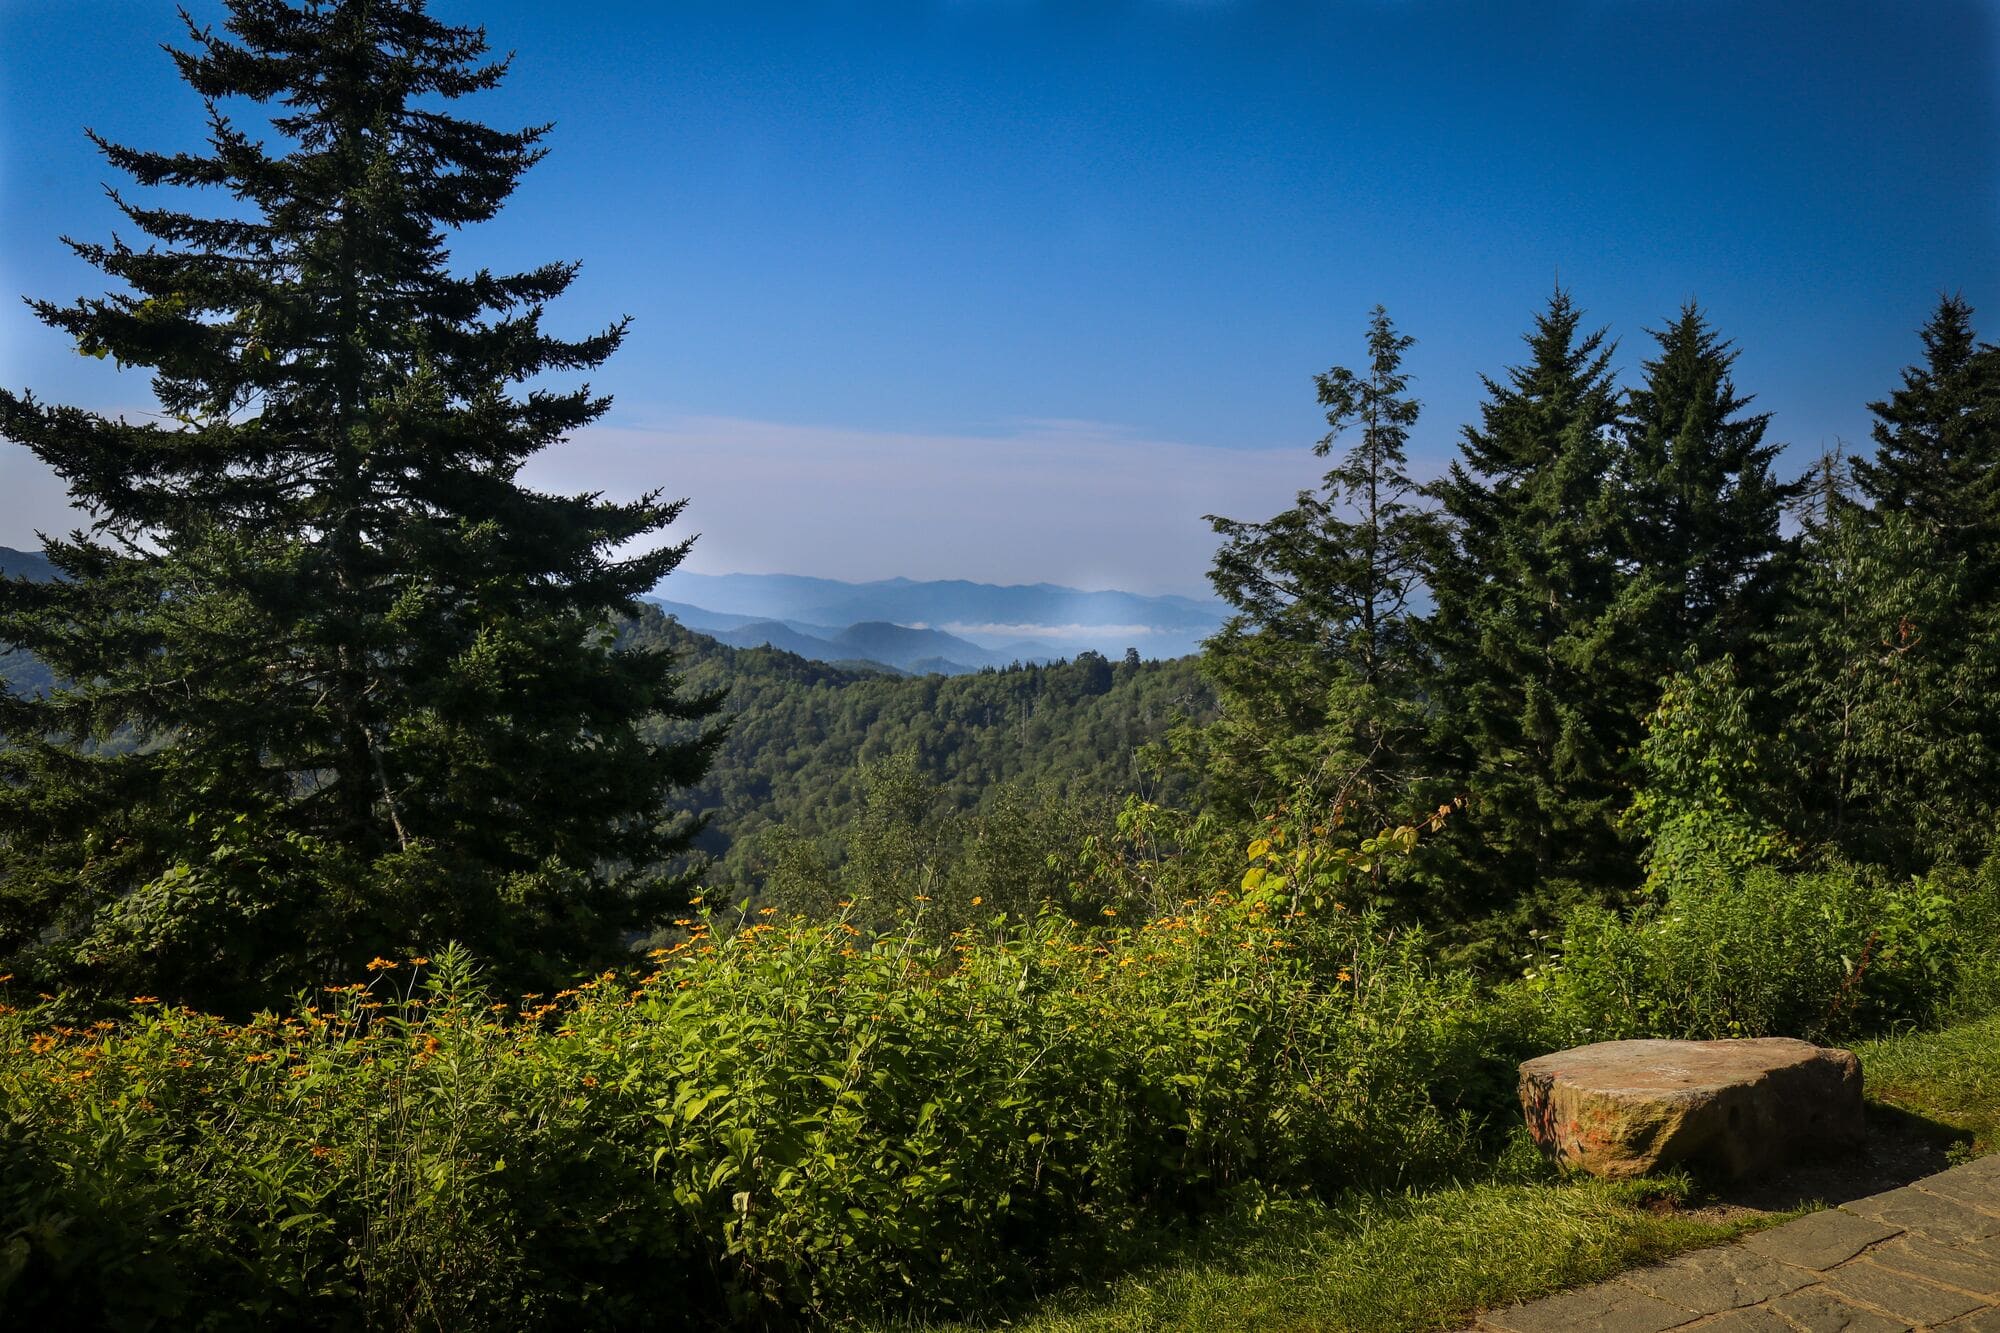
1951,1076
1423,1260
1431,1260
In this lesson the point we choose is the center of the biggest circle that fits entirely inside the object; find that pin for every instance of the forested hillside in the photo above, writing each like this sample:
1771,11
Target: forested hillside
800,732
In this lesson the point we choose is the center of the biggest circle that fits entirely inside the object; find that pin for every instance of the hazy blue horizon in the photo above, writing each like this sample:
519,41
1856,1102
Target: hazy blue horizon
1016,292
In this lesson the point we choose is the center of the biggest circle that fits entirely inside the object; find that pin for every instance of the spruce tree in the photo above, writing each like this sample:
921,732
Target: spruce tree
1937,441
360,675
1538,694
1889,654
1703,508
1883,744
1317,667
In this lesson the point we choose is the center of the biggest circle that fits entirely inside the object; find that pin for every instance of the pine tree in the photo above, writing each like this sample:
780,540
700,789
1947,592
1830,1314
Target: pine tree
1882,740
1317,666
365,674
1703,508
1889,655
1937,441
1538,694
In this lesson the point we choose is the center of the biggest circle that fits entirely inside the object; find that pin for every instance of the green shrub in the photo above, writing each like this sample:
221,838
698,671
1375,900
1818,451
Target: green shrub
797,1119
1975,985
1824,955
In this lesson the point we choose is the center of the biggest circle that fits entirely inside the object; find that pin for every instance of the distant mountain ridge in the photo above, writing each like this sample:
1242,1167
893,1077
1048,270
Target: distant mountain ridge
25,565
987,624
947,626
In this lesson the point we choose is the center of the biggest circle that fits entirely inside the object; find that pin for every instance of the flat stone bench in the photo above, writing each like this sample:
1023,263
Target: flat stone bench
1624,1108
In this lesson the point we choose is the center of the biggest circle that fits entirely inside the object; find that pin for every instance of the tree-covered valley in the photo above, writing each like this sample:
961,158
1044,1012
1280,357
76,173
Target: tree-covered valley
802,736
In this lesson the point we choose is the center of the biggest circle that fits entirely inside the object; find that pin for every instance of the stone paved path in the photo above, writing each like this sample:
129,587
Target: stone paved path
1926,1256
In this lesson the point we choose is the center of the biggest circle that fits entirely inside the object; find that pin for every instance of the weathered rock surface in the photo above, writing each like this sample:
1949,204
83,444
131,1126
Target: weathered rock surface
1623,1108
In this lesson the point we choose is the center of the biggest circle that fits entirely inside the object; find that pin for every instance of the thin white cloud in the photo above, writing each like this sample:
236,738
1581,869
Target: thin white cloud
1079,503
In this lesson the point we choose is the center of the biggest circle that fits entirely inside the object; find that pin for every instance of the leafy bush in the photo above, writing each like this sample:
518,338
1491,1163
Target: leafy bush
800,1118
1824,955
1701,804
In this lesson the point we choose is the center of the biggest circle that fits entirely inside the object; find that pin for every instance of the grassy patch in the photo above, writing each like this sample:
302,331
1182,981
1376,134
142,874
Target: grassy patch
1424,1260
1951,1076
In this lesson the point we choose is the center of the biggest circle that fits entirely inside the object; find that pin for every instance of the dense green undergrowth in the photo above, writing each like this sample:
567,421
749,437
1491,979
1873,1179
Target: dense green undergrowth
793,1120
779,1120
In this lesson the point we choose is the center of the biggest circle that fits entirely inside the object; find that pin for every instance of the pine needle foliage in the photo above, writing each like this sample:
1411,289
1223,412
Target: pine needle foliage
1937,439
367,670
1539,692
1317,667
1704,507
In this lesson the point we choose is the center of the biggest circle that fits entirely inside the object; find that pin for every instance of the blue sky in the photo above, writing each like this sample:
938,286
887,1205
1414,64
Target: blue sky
1013,291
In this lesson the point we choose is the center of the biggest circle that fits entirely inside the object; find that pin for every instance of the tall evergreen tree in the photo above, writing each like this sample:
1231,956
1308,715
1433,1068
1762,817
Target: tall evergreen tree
1937,441
1884,747
1703,508
368,671
1889,655
1317,667
1539,696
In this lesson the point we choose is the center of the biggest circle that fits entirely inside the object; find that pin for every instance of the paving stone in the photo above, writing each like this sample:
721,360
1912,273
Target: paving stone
1938,1217
1757,1319
1609,1308
1905,1297
1941,1264
1987,1167
1817,1310
1924,1256
1970,1184
1820,1240
1711,1281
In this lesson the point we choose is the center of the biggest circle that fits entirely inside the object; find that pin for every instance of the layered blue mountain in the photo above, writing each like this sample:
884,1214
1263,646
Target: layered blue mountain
918,627
25,565
977,624
870,642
